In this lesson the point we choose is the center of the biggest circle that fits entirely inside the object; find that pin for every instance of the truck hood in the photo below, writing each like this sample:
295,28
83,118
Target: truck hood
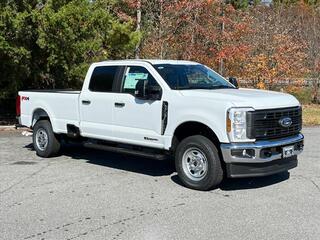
245,97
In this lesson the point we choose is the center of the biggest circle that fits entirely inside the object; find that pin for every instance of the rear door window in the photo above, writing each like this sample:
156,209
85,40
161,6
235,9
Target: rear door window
103,78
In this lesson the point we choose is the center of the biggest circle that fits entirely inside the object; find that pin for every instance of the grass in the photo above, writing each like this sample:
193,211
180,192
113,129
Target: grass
311,115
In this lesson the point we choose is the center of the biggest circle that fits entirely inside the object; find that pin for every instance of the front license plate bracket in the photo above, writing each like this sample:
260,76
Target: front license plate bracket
287,151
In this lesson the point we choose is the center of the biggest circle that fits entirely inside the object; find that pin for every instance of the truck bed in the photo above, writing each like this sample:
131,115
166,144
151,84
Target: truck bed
62,106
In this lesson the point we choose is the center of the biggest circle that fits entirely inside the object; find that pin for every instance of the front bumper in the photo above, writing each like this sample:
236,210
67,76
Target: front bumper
260,158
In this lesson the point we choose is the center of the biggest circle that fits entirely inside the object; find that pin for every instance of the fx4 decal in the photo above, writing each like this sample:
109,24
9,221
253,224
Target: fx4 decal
23,98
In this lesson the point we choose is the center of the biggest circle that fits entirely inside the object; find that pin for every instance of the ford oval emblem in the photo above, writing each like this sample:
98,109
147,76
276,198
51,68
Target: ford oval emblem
285,122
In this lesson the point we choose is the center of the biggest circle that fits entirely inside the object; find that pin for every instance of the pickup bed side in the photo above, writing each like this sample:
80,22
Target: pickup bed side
61,107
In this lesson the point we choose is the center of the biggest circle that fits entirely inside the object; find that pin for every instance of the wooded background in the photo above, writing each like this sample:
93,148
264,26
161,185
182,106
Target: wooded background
50,43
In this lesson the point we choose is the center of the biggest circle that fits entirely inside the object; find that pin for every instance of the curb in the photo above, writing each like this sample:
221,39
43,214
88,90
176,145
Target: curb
12,128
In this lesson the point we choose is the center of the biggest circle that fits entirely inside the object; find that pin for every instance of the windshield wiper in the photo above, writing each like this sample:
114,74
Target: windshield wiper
222,87
192,88
203,87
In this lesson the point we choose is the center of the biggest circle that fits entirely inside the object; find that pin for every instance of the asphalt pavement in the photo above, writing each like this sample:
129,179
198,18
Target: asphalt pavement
90,194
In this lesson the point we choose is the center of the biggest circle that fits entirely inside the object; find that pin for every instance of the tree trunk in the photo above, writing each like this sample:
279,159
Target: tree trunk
137,50
221,60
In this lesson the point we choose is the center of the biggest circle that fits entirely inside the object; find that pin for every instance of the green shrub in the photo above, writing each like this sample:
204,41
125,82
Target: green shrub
304,95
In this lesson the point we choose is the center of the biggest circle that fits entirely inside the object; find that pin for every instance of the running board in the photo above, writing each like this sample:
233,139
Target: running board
127,151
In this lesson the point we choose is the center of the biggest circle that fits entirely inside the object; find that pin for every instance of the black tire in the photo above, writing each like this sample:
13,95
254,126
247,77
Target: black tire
52,148
213,174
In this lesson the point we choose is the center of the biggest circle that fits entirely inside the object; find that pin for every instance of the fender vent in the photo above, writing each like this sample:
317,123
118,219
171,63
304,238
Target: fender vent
164,117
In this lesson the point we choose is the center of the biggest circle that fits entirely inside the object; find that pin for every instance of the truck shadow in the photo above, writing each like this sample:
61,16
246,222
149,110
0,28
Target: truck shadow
120,161
117,161
257,182
232,184
156,168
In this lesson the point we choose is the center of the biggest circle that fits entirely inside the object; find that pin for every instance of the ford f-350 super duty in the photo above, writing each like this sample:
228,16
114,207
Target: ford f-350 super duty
167,108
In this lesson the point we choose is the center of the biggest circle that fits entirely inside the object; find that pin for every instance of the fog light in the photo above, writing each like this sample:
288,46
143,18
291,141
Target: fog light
268,153
298,146
243,153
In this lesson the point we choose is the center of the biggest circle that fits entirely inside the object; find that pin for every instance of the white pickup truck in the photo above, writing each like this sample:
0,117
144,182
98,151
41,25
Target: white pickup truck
165,108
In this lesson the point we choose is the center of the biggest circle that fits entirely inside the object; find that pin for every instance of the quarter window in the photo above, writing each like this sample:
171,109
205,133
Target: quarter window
102,79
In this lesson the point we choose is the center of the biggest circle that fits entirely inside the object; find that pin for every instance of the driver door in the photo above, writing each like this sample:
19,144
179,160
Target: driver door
137,121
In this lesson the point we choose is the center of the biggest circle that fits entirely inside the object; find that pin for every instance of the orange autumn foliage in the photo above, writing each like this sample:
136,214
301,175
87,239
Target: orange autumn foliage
261,44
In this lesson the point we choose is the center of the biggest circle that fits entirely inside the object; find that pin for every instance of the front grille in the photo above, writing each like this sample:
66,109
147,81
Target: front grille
265,124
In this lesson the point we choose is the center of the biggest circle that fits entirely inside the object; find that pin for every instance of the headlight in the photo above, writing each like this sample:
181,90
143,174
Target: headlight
237,124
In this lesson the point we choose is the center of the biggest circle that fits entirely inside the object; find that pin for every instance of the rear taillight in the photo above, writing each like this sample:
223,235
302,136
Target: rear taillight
18,105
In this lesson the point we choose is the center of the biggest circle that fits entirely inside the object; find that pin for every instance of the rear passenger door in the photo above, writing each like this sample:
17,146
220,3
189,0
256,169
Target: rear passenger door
97,102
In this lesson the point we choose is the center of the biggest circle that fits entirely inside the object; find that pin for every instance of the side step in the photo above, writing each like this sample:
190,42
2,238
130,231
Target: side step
128,151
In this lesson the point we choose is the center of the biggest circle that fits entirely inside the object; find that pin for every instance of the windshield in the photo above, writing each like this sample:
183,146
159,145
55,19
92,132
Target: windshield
197,76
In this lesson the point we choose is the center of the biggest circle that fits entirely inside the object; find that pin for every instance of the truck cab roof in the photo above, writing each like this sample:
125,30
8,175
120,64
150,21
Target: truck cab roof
151,61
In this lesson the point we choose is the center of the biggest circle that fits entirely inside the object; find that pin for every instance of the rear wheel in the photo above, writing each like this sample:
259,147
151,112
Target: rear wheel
198,163
45,141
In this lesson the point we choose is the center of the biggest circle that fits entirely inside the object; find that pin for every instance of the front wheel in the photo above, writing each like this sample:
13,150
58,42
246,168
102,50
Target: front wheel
198,163
45,141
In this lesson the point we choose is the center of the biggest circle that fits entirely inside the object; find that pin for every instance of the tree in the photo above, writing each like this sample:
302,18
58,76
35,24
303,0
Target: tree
309,22
16,41
192,30
51,45
276,52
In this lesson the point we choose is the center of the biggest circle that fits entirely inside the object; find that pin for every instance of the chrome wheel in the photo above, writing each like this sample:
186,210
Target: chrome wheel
194,164
42,139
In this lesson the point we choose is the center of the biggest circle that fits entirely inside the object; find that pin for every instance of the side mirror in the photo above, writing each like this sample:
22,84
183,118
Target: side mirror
154,92
146,92
234,81
140,91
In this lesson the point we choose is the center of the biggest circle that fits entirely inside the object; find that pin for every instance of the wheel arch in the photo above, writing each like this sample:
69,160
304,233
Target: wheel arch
190,128
39,114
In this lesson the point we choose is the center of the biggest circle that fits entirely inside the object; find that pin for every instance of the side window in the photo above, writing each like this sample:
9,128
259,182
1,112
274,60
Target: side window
102,78
132,75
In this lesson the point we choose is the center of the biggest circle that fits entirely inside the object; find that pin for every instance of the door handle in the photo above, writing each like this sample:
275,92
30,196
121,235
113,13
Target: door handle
120,105
86,102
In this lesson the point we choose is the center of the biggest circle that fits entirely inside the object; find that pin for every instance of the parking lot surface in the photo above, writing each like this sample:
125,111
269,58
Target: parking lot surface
90,194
